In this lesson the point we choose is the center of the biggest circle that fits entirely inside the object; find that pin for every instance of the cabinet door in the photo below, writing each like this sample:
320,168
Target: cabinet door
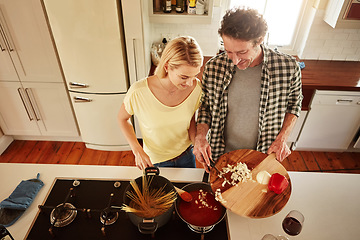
16,117
52,108
331,123
136,28
7,69
27,35
97,118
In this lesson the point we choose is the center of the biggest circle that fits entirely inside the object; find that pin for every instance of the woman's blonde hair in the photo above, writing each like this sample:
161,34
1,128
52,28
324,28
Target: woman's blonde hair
179,51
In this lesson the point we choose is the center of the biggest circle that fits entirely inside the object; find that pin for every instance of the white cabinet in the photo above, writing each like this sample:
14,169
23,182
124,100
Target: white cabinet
335,12
25,40
332,122
136,38
35,109
16,117
136,28
34,101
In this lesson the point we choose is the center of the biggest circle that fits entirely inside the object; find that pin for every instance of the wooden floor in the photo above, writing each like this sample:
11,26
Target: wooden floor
48,152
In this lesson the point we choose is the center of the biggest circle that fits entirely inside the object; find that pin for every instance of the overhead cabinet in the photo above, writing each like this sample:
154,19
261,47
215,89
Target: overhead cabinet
33,96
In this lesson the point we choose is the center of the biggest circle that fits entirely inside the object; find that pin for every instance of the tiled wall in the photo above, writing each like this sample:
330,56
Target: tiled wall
205,34
323,43
327,43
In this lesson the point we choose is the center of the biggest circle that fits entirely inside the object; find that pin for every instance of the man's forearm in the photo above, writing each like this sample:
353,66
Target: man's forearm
201,130
287,127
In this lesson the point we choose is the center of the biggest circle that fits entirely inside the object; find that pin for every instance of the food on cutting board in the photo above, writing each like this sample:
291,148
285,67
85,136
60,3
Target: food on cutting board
219,197
203,211
263,177
278,183
239,173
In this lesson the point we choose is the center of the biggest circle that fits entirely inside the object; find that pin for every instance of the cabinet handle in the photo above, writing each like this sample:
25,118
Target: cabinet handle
1,48
78,85
3,33
31,97
82,99
135,62
3,37
23,101
344,101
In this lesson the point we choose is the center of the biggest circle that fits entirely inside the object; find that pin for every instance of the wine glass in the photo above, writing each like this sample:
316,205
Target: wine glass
272,237
293,222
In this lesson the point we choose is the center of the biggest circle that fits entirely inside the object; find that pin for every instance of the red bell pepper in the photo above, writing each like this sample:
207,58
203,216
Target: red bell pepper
278,183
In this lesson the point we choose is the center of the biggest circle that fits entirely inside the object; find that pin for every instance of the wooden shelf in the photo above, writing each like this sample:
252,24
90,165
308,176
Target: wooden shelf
174,17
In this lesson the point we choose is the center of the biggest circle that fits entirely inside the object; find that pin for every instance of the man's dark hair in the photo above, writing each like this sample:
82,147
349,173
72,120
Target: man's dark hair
243,24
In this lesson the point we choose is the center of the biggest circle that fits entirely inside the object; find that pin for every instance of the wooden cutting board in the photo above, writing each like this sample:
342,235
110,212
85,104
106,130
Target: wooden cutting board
250,198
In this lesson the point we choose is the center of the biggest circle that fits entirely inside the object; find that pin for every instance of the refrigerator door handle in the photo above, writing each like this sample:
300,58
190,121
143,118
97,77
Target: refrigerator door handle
78,85
82,99
135,57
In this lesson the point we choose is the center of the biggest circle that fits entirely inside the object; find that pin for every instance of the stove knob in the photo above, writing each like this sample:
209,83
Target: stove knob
76,183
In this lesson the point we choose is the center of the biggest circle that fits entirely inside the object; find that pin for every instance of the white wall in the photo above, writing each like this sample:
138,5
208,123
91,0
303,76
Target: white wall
205,34
327,43
322,43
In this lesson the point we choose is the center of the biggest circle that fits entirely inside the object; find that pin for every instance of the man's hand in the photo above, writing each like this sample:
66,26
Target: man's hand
280,148
202,152
202,149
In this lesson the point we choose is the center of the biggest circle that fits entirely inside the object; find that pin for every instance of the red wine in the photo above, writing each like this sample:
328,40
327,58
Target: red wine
291,226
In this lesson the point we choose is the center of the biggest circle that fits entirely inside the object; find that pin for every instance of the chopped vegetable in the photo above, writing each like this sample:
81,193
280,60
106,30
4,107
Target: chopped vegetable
278,183
263,177
239,173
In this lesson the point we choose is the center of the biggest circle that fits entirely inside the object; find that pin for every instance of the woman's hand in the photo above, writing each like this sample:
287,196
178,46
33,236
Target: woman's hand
142,160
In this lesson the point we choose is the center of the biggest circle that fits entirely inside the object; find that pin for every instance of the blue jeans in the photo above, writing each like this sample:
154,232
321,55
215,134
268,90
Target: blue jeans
186,160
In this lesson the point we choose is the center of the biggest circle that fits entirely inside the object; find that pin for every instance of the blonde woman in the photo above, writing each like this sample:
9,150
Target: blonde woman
165,106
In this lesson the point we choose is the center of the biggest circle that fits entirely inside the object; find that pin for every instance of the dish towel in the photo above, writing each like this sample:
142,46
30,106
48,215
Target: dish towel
19,200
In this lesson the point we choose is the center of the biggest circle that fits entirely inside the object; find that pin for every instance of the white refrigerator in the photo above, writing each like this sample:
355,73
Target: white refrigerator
89,38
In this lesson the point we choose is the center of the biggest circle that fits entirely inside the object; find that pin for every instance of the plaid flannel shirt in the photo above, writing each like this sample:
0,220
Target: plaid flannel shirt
280,93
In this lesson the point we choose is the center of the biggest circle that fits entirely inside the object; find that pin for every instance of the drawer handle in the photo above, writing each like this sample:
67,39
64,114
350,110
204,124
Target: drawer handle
78,85
344,101
82,99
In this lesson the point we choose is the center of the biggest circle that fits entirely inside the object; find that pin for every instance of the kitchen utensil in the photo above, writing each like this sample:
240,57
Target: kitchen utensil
250,198
194,187
150,225
183,194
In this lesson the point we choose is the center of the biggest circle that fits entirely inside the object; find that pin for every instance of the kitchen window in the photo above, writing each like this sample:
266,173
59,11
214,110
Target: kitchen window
283,18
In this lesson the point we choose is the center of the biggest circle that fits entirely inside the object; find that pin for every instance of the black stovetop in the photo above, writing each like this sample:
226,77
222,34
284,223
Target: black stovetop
95,194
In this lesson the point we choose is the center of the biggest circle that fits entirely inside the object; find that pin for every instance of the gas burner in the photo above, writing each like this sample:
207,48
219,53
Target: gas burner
63,215
108,217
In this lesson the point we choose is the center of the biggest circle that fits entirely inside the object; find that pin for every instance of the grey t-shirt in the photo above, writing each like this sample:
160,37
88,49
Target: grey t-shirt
242,120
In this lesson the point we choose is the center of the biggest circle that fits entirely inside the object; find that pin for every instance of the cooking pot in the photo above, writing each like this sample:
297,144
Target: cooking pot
195,187
150,225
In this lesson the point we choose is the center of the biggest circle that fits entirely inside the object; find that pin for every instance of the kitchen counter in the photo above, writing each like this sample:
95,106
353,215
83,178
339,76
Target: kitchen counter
329,201
329,75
